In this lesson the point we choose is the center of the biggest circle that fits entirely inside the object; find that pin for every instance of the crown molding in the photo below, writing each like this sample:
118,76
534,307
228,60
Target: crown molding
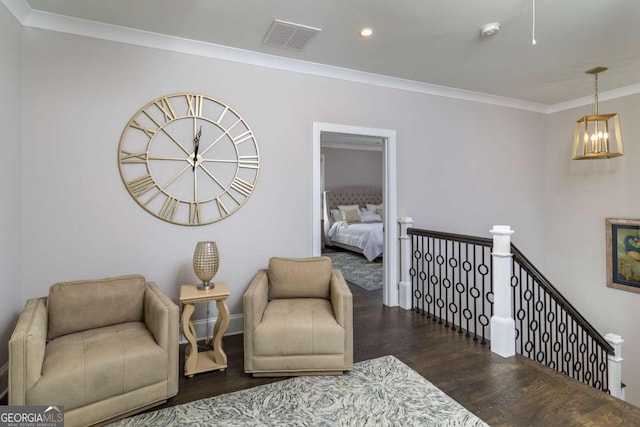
29,17
588,100
18,8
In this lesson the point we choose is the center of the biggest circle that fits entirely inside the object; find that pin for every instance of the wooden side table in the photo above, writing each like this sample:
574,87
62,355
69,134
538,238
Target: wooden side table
196,362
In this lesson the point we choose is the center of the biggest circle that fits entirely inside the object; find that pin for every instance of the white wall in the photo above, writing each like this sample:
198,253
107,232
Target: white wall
10,182
347,167
463,168
580,195
79,221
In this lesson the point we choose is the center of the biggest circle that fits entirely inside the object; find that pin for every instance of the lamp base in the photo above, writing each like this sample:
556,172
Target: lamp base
206,286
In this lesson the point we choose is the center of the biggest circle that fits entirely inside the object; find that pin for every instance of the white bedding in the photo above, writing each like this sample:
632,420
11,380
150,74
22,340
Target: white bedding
366,236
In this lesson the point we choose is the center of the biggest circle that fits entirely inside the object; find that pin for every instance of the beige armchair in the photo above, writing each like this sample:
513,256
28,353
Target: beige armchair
100,348
298,319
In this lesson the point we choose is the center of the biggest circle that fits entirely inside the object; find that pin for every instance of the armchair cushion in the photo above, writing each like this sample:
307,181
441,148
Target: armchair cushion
86,367
72,308
299,326
299,278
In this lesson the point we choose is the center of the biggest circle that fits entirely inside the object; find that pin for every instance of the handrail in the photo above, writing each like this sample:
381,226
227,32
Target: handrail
482,241
555,294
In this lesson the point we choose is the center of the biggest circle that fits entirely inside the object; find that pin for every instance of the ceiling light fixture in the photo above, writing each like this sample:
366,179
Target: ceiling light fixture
366,32
597,136
490,29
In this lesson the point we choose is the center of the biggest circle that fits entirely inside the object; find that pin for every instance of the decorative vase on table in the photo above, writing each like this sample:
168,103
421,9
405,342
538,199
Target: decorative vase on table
205,263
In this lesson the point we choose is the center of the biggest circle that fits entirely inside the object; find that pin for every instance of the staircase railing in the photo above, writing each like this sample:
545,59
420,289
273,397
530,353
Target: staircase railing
551,331
452,283
451,276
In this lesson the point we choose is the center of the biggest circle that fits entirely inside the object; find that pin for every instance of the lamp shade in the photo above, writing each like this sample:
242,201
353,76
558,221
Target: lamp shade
206,262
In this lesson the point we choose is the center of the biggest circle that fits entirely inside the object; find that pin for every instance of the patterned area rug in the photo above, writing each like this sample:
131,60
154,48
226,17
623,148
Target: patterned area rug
357,270
378,392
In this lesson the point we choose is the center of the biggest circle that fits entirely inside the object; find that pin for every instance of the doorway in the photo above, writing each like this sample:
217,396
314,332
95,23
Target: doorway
387,138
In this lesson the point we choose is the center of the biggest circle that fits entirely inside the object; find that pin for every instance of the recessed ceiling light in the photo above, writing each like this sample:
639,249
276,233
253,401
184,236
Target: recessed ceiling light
366,32
490,29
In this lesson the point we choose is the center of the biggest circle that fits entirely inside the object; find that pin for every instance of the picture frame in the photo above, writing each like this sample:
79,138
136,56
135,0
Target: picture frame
623,254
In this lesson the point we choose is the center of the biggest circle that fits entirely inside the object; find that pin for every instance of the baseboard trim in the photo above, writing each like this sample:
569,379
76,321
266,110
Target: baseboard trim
236,326
4,380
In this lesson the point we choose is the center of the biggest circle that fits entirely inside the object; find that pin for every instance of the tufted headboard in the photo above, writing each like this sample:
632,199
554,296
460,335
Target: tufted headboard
351,196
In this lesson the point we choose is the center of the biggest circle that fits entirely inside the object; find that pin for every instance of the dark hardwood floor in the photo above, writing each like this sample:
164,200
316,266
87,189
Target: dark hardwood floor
503,392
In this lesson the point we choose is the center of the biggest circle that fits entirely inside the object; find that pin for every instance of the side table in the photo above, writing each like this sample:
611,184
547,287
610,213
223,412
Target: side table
196,362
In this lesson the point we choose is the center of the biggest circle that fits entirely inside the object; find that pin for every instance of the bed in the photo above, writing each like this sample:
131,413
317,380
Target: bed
361,233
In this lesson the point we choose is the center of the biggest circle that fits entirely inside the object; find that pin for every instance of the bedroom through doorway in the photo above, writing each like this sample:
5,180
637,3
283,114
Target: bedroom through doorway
351,175
354,205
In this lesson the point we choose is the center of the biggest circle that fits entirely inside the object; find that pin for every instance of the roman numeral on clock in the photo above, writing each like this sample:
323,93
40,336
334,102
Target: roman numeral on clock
248,162
194,103
127,157
141,185
167,109
194,213
150,133
221,207
169,207
241,186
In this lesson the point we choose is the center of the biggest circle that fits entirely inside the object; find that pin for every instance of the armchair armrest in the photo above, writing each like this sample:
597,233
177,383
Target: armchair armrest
341,299
161,317
342,302
26,350
254,302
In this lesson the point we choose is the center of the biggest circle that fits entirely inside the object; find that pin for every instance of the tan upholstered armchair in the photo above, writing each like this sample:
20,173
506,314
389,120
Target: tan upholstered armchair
100,348
298,319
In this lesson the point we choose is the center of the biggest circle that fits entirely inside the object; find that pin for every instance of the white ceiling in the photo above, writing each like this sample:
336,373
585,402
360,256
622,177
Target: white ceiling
428,41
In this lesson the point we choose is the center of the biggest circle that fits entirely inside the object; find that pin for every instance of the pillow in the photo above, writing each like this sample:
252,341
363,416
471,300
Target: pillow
350,213
348,207
335,215
380,212
370,217
373,208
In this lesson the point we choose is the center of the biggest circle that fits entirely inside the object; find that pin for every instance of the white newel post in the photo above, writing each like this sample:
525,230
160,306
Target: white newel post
615,366
503,327
405,263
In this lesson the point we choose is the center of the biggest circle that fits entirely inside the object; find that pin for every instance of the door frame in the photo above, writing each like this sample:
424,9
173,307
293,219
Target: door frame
391,279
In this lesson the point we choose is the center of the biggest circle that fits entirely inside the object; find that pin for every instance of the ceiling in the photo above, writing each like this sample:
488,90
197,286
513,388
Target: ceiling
429,41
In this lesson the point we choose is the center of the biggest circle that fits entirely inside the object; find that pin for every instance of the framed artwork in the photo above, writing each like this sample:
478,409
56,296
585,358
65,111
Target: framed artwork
623,254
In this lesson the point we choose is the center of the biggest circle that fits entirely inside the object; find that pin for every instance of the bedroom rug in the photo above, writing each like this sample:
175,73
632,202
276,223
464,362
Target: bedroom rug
378,392
357,270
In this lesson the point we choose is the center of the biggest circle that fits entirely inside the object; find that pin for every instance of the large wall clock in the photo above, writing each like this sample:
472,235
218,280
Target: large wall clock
188,159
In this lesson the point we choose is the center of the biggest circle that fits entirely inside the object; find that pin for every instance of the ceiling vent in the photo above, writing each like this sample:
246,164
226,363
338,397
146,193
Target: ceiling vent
289,35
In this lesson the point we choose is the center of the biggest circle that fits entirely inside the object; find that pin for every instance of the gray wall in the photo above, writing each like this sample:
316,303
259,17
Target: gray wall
347,167
82,92
10,183
579,196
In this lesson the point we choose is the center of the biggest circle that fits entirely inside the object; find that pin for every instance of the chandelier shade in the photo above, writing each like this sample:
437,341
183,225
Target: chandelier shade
597,136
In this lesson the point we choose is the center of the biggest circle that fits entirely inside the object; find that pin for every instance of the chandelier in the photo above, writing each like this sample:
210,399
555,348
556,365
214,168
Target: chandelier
597,136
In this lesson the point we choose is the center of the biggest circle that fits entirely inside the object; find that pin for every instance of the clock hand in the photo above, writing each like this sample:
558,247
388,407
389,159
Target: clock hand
196,145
